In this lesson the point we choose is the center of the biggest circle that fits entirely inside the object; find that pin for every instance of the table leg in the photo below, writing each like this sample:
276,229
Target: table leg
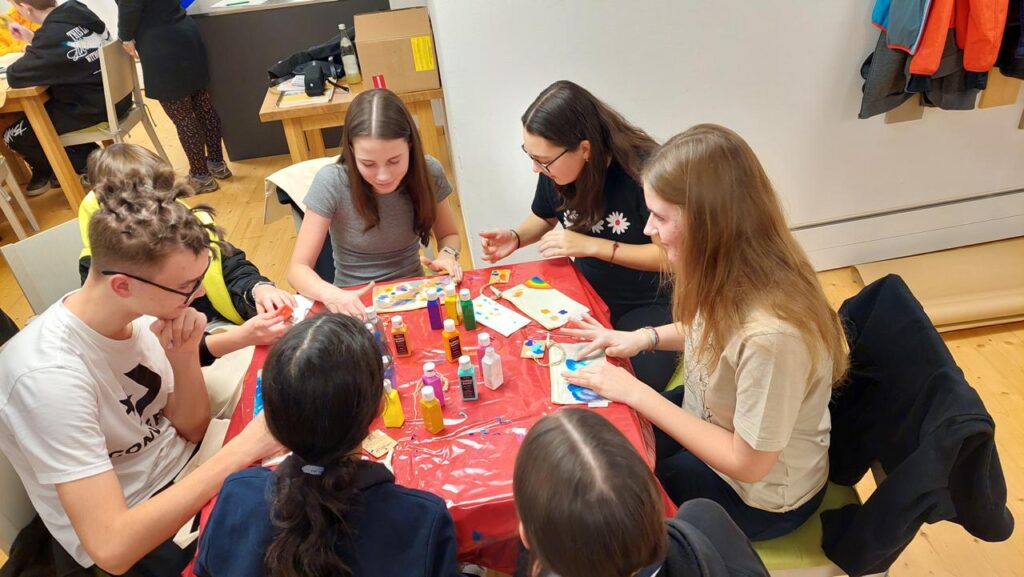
55,153
315,139
296,140
424,114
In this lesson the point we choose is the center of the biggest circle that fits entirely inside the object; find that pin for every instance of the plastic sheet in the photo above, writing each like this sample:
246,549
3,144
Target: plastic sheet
469,464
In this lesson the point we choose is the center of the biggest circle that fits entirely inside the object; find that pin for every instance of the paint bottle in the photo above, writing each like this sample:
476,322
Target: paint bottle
494,376
400,336
451,304
257,401
483,340
468,316
434,310
386,357
373,319
431,408
394,416
433,380
451,341
467,379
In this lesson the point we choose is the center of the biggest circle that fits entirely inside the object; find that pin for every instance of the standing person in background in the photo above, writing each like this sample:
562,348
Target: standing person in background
173,55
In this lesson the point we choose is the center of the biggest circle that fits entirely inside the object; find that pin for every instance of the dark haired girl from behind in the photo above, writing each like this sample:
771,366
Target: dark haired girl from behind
589,506
325,512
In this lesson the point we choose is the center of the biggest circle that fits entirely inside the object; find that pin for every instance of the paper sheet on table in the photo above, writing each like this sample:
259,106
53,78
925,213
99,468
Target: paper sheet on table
498,317
543,303
563,393
407,295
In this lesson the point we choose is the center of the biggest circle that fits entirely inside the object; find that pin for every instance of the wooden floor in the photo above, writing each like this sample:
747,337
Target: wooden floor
992,358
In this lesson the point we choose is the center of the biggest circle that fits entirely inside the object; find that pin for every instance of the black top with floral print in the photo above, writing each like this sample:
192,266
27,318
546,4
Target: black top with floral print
622,288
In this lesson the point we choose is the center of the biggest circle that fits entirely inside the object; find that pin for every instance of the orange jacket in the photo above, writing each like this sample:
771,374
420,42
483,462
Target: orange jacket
979,28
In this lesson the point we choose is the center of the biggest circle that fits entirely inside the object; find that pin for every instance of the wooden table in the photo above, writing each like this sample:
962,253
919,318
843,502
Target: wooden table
302,124
31,101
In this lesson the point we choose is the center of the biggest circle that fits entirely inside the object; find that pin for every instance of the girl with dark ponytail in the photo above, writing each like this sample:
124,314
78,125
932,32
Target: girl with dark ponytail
325,512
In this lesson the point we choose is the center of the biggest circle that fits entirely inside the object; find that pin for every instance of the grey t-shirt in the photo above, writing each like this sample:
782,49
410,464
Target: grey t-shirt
389,250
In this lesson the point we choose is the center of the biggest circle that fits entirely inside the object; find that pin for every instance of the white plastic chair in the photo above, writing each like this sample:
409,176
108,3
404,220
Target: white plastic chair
46,264
13,191
120,78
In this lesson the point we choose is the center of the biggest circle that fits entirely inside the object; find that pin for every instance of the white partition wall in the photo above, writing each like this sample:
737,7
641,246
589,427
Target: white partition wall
782,73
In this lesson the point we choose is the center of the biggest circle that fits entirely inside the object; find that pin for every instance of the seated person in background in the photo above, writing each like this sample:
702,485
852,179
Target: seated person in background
325,511
761,346
235,291
588,506
587,158
62,55
102,401
380,202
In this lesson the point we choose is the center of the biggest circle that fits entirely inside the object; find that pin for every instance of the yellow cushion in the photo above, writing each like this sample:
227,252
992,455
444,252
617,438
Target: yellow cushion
677,378
801,549
101,126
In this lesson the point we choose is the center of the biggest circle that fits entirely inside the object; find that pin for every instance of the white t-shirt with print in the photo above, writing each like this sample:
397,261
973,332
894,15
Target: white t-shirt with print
74,404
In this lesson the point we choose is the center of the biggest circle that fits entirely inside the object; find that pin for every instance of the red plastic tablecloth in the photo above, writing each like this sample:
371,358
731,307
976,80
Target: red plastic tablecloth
470,464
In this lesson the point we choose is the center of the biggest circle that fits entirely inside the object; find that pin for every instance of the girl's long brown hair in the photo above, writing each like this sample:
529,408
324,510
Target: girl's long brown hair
381,114
737,254
589,505
565,114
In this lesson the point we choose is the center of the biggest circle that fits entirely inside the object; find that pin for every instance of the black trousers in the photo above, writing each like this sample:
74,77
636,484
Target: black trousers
685,477
20,137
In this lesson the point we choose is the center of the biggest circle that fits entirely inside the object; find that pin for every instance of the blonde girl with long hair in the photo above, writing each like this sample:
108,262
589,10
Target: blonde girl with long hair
761,347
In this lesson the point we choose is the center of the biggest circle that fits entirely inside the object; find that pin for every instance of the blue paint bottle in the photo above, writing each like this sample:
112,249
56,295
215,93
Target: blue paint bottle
434,310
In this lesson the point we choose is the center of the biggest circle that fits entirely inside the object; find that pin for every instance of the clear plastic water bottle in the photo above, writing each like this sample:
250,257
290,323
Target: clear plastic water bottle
348,58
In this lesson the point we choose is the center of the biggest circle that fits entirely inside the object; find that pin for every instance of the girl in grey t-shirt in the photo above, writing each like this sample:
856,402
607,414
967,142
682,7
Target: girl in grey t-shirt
380,202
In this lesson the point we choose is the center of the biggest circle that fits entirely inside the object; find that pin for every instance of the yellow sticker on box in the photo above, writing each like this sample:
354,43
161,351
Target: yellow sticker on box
423,53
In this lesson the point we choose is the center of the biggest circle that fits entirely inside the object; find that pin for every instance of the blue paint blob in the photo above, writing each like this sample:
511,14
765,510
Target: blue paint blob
477,536
573,364
584,394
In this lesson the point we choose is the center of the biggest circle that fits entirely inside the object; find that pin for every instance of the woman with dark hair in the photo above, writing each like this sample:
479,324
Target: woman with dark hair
325,512
589,506
588,160
380,202
174,66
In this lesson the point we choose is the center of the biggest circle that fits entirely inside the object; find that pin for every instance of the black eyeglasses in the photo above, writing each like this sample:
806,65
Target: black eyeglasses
187,295
543,165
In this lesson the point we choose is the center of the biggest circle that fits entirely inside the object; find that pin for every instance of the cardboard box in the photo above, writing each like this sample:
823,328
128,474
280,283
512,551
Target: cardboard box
397,44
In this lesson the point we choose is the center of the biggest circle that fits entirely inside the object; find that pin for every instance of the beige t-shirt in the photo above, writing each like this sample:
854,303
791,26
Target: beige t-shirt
760,389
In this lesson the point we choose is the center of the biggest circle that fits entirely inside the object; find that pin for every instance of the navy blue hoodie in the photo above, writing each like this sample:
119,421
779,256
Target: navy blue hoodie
64,56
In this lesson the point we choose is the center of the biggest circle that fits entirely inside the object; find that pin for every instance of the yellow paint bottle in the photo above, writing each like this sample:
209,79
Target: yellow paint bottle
432,418
394,416
452,308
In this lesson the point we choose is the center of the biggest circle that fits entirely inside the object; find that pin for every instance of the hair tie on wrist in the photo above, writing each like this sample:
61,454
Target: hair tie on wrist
315,470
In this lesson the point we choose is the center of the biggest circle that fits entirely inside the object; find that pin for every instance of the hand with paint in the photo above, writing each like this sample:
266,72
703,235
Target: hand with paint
498,243
269,298
181,335
621,344
348,302
444,263
265,328
610,381
565,243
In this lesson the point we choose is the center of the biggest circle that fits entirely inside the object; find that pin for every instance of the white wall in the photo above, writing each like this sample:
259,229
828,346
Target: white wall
783,73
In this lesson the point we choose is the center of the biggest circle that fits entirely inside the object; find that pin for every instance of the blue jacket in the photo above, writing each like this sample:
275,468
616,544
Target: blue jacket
398,531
